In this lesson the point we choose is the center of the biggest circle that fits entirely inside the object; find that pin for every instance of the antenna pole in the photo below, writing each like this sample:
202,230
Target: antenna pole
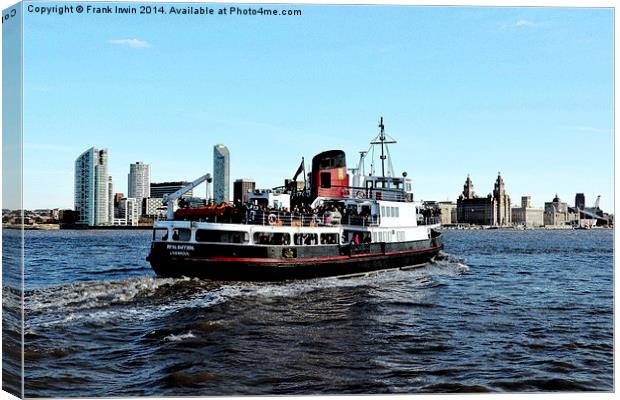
382,138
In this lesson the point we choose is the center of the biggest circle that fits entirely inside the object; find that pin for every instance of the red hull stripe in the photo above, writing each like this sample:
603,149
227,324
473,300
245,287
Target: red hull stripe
304,260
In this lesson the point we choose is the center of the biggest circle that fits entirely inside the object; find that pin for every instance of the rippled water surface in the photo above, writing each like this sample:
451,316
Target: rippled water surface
503,311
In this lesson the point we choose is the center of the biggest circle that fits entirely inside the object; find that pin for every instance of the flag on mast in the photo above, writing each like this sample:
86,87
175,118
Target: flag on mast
300,169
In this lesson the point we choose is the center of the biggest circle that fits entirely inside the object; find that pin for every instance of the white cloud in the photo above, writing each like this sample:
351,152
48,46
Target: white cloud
133,43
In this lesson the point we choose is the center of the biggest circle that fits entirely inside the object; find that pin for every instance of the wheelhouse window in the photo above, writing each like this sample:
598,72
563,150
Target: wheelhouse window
327,163
160,234
216,236
272,238
181,234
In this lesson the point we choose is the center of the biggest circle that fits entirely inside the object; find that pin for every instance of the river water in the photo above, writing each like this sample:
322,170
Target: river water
516,311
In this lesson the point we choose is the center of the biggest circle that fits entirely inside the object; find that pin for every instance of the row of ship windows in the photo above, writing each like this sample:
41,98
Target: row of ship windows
390,211
273,238
388,236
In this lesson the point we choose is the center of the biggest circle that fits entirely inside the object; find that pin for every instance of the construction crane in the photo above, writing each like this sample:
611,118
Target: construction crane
171,199
593,212
598,199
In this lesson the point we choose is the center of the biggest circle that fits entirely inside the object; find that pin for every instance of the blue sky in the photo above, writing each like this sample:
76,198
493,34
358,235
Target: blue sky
524,91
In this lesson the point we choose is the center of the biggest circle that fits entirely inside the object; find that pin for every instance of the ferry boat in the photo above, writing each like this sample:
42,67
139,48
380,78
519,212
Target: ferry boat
343,223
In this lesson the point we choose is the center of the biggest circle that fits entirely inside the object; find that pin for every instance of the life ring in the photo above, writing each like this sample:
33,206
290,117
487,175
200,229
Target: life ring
360,194
271,219
345,192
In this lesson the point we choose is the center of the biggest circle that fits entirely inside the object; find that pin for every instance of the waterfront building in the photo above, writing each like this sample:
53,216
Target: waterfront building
91,190
269,199
491,210
110,198
501,207
154,207
241,190
580,201
118,197
221,174
557,213
139,182
447,212
527,215
128,212
158,190
194,201
68,216
471,209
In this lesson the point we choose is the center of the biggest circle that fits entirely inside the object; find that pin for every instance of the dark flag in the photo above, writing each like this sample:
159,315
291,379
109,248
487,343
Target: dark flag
301,168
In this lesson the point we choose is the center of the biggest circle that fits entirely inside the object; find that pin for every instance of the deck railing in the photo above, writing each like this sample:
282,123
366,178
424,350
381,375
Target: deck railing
282,218
430,221
372,193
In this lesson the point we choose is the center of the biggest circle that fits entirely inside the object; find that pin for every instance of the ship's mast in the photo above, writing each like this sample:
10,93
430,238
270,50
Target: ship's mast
383,140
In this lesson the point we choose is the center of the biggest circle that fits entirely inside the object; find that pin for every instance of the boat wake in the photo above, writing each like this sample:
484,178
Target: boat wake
147,297
135,299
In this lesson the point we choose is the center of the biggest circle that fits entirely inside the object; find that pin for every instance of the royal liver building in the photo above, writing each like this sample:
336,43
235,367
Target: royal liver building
494,209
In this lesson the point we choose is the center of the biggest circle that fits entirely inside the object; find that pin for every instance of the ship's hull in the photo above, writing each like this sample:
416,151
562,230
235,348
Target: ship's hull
273,263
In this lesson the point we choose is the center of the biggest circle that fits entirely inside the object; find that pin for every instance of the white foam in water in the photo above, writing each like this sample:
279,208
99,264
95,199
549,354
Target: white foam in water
92,294
179,338
108,301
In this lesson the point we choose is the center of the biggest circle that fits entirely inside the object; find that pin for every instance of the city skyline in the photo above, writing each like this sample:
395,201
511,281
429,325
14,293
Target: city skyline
462,89
580,199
